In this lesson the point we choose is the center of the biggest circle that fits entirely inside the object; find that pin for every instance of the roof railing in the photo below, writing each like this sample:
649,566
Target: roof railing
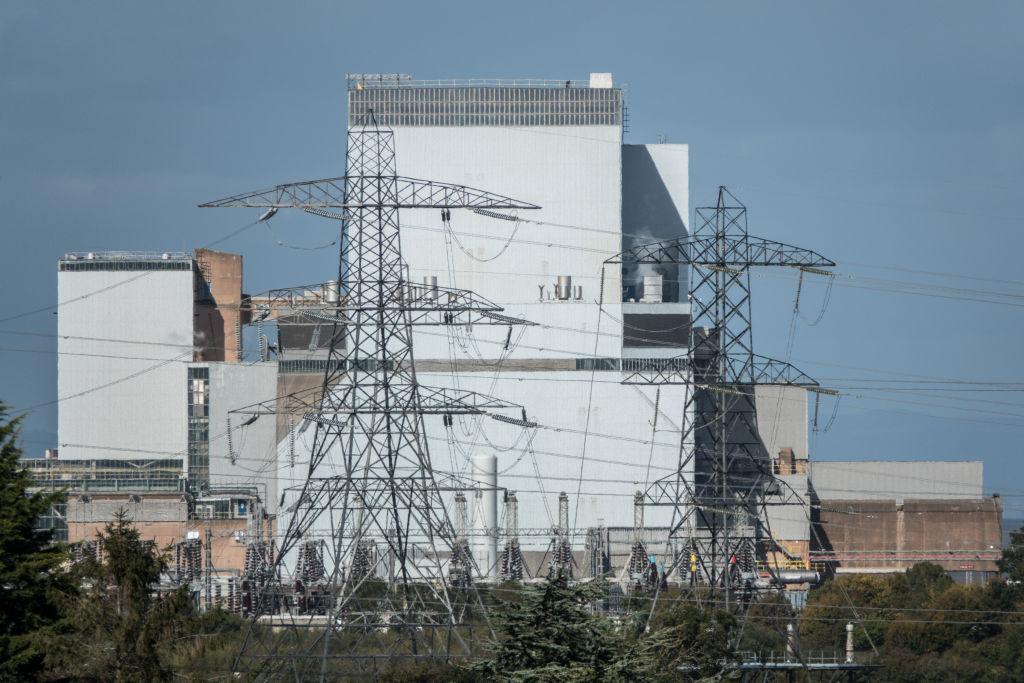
126,256
377,81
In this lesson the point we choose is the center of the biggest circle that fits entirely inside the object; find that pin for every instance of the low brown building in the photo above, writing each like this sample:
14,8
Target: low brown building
167,519
886,516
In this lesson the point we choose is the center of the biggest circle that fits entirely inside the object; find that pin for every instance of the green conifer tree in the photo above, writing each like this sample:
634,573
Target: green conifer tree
32,583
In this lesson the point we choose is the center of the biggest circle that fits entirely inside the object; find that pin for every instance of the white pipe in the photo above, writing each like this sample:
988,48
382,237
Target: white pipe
485,514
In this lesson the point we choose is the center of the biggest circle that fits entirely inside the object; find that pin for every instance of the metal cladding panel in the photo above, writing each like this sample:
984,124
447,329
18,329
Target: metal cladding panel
619,456
574,174
655,206
234,386
782,419
124,341
896,479
791,522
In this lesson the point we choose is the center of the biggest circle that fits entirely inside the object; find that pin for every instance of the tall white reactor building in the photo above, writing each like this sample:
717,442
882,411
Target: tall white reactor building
557,144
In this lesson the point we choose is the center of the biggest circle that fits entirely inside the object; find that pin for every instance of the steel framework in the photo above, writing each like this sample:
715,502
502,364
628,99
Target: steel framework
369,482
724,479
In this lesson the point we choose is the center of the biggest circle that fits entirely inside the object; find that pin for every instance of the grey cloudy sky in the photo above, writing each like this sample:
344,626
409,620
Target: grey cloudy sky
889,136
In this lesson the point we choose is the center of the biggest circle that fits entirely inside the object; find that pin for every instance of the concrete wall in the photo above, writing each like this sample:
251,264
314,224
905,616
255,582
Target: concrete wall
886,535
619,457
655,206
159,518
575,175
217,320
234,386
782,419
896,480
125,338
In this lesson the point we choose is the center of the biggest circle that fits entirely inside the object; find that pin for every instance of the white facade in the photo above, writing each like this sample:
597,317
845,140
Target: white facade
125,339
253,462
595,439
129,389
598,440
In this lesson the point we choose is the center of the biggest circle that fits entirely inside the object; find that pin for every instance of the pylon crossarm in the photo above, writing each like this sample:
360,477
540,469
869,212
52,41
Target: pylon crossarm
425,305
329,193
739,370
766,370
736,250
441,400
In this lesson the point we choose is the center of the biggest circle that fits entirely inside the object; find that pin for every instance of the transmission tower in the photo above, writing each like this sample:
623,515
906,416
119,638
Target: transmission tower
369,450
724,480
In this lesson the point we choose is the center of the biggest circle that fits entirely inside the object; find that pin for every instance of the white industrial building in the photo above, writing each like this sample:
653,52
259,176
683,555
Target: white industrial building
558,145
148,369
163,392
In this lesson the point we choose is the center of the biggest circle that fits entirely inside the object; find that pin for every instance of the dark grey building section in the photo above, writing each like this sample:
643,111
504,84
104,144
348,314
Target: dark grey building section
656,330
298,337
649,214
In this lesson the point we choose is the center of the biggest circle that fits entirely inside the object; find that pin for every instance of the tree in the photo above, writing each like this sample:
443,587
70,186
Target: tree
32,583
687,642
1012,561
124,629
551,635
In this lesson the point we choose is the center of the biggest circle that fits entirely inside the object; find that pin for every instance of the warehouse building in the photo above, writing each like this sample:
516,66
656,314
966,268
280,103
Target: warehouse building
885,516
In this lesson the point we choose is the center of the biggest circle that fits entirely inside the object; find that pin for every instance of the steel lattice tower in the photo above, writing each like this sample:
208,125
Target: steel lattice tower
724,479
370,478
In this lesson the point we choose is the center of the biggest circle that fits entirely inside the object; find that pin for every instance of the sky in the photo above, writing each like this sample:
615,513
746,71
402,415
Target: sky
886,136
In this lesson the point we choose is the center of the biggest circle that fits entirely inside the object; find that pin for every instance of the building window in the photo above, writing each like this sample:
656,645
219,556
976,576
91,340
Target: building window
198,427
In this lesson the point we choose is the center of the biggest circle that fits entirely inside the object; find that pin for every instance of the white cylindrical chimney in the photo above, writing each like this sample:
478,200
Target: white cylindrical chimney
849,642
485,514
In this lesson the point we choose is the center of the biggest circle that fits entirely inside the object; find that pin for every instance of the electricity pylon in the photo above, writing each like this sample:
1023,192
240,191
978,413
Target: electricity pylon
369,474
724,479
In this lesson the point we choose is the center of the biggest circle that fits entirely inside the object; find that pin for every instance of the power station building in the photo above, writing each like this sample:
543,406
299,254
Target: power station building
559,145
151,353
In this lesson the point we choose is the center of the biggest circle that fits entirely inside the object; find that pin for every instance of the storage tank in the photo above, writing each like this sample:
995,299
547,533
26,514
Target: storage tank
563,288
331,292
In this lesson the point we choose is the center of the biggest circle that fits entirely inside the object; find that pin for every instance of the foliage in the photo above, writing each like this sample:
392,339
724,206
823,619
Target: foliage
1012,561
124,631
32,583
551,635
764,632
686,638
925,627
